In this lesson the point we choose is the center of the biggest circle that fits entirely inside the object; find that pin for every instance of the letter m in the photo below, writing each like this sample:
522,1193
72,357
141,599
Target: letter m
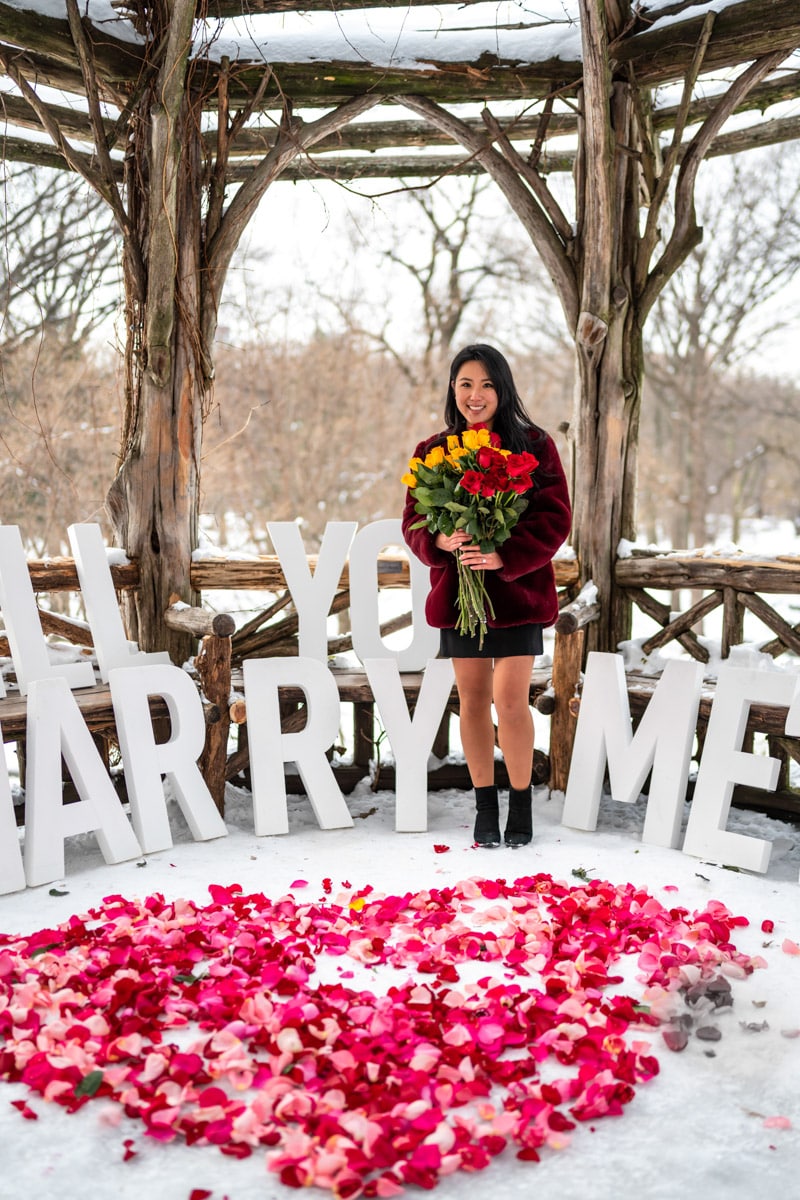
662,743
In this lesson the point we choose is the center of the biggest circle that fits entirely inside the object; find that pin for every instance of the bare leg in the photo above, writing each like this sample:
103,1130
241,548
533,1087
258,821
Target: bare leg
512,677
474,683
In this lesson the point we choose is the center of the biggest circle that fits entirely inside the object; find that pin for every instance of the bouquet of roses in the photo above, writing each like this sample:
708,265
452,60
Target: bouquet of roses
475,485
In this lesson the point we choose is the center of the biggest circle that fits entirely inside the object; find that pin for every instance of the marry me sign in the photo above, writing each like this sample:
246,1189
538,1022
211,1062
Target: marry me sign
604,738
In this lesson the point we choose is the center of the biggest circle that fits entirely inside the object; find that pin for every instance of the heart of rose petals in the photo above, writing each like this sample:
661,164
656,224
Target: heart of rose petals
359,1091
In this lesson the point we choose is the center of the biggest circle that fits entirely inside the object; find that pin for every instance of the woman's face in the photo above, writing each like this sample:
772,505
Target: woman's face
476,397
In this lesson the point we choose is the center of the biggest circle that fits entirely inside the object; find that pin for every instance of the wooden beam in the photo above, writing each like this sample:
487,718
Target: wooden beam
390,134
670,573
741,33
235,8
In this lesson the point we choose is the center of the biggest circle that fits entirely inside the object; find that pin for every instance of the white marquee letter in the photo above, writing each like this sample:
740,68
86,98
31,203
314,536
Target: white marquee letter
312,594
12,873
145,761
663,742
100,600
56,727
270,749
21,616
364,616
792,726
724,764
411,739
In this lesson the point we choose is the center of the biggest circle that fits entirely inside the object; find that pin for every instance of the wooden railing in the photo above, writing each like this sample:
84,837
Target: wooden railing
734,584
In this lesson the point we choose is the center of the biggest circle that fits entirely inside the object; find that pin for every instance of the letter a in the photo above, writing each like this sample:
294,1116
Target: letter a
56,727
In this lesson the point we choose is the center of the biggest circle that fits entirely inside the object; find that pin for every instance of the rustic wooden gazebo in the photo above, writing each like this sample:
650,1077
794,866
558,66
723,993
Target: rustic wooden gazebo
182,125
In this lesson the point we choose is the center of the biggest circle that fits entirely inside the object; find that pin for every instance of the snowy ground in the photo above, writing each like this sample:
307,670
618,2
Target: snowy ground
699,1126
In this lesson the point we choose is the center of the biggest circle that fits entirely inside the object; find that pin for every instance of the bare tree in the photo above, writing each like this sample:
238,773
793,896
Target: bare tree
307,433
461,269
716,431
59,257
59,433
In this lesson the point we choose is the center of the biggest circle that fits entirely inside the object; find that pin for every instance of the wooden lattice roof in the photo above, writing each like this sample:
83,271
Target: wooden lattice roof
454,66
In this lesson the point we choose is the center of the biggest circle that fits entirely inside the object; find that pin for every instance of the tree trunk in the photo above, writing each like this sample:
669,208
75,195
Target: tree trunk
154,499
605,449
609,343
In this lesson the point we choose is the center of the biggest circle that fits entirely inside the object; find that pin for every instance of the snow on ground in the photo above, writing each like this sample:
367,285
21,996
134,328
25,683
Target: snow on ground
699,1125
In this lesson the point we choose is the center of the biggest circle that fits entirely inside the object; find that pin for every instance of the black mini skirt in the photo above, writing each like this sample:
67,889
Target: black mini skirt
512,642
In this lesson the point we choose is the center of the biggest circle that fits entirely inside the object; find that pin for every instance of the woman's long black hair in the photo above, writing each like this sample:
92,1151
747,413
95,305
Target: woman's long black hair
516,430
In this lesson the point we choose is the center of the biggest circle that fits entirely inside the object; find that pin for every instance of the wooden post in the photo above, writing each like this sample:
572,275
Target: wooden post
567,660
214,668
363,733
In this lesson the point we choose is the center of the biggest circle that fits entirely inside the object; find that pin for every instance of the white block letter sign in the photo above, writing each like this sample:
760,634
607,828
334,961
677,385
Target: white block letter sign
411,739
312,594
270,749
12,873
55,728
21,617
663,742
724,764
792,726
100,600
364,617
145,761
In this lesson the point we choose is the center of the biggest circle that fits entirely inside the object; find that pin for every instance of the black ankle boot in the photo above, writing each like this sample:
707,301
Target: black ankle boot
519,828
487,817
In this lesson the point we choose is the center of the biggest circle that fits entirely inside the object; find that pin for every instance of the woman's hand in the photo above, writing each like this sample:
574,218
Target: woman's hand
453,543
472,556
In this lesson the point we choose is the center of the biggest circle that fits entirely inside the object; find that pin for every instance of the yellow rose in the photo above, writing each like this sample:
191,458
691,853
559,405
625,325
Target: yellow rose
409,480
471,439
453,457
453,442
435,456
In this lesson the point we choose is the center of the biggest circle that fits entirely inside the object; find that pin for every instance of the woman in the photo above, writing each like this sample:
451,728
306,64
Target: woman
520,583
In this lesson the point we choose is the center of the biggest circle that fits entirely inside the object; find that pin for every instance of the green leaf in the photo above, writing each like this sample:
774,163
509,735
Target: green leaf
44,949
57,892
582,873
90,1084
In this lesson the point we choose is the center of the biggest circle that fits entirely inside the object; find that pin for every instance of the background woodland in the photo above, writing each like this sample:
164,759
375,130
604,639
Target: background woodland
324,385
